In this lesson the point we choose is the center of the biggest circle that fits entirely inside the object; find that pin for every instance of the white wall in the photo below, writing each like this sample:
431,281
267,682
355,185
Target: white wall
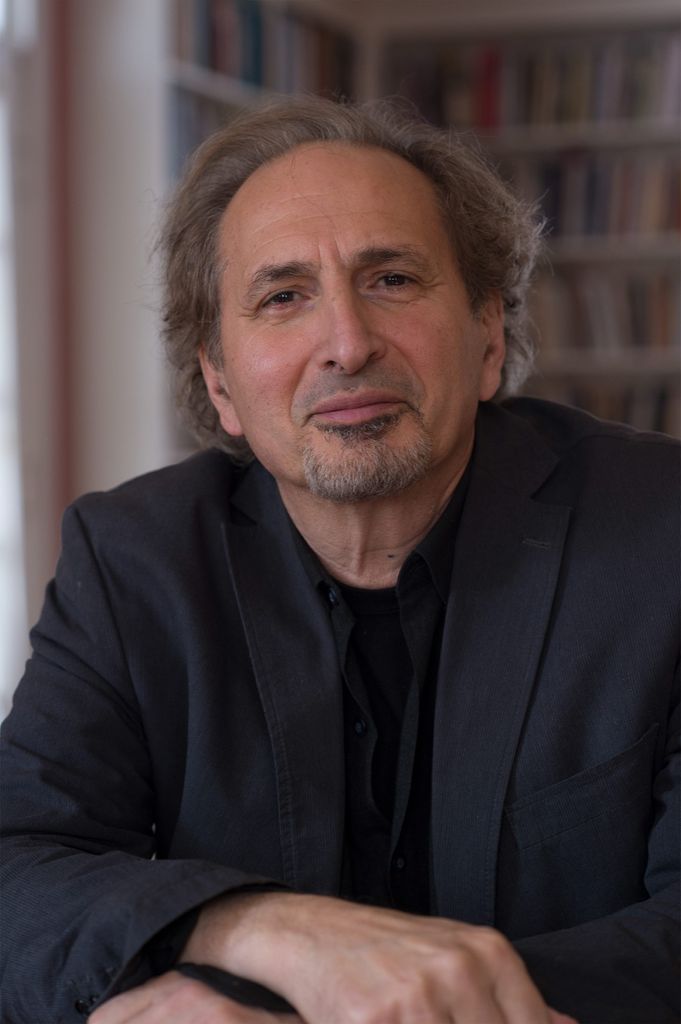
30,83
97,312
117,177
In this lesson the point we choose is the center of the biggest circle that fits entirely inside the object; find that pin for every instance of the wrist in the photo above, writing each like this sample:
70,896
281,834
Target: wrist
256,935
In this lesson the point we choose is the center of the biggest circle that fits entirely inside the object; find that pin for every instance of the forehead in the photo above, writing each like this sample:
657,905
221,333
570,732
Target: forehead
353,194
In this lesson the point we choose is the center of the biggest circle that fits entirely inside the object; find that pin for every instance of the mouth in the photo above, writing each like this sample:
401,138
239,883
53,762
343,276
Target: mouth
350,409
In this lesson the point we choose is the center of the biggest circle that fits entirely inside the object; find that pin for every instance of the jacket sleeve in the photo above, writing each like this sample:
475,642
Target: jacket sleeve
624,968
83,894
620,969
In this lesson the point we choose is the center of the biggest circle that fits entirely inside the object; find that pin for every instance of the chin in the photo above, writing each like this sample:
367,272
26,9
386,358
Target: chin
366,468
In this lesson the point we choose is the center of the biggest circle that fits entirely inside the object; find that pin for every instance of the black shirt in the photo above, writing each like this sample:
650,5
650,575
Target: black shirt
388,644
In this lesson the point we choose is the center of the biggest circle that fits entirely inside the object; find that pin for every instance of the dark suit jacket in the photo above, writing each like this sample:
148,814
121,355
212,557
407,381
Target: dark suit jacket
184,700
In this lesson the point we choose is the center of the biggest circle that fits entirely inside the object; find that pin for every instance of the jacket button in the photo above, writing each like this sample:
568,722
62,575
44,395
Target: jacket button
360,727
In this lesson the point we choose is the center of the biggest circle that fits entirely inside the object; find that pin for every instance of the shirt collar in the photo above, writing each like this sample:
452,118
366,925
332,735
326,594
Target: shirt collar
437,547
436,550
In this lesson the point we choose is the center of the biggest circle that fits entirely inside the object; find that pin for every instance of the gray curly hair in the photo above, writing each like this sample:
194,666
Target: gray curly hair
495,236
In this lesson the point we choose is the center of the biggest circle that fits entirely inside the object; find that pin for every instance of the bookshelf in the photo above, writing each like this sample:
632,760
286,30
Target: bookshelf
226,54
134,119
577,104
585,122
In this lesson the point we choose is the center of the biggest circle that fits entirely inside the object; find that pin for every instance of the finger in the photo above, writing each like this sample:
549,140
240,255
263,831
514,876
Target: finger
167,998
173,998
556,1017
517,998
470,995
293,1018
128,1006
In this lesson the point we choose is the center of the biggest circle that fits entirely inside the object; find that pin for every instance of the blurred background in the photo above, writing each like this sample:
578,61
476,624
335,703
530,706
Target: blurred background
576,101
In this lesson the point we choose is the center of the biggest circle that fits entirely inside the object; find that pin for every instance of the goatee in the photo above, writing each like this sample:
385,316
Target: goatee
368,466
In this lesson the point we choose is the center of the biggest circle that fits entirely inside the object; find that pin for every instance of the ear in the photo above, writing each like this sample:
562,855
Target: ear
219,395
492,323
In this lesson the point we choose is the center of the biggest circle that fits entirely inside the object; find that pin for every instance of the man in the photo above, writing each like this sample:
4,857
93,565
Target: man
383,721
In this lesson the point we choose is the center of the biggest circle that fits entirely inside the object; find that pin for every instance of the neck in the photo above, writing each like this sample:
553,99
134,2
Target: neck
365,544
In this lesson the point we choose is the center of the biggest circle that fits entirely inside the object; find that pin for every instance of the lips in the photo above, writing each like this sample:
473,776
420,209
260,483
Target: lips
357,407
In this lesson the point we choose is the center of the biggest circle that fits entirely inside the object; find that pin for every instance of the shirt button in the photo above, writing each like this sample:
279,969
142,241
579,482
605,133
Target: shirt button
399,863
332,597
83,1006
360,727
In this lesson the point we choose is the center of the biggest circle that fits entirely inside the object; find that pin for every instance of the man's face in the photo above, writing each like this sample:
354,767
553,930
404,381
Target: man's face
351,360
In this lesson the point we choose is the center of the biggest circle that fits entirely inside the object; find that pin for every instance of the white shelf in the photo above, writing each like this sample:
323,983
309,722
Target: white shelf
524,140
618,249
212,85
403,18
624,364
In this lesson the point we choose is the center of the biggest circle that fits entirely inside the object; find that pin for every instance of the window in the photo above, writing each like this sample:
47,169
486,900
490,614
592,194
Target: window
12,583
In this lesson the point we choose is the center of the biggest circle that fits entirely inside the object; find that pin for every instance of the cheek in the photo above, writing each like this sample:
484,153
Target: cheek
450,367
260,377
443,358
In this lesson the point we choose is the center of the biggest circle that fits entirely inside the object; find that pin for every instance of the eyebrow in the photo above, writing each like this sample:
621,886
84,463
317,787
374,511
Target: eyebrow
272,273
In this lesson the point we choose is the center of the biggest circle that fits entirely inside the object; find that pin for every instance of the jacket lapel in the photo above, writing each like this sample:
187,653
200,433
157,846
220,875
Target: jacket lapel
507,560
296,670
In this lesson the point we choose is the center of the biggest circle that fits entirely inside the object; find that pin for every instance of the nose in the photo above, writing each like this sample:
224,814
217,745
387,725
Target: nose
349,338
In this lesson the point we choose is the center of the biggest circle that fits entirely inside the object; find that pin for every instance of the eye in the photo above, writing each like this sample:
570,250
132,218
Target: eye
395,280
282,298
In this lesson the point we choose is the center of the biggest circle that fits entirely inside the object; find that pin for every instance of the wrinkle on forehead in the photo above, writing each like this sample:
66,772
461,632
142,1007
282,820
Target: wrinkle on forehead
329,200
287,173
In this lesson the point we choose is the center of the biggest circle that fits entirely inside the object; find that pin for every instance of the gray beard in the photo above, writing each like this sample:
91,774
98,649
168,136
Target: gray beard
369,467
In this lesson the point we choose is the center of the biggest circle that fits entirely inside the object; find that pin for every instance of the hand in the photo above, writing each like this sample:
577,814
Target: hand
343,963
174,999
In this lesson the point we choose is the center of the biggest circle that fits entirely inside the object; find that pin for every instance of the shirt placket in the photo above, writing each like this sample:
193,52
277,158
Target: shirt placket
420,609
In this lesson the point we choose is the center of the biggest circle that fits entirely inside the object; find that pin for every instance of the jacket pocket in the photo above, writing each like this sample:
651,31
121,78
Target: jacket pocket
623,779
